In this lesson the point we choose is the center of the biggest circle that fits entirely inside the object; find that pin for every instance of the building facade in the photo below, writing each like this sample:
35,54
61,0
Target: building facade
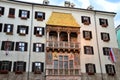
46,42
118,35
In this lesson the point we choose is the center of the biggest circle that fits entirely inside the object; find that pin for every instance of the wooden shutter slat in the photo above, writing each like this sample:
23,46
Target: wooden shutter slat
43,31
17,46
27,28
42,67
20,12
43,15
2,10
26,46
10,65
42,47
28,14
34,47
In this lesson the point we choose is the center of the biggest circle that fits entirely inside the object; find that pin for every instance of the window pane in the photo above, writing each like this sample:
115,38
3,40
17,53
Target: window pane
71,63
55,64
66,64
61,64
66,58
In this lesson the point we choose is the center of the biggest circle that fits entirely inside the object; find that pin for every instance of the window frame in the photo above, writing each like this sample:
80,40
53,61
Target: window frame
103,22
21,28
88,50
34,67
8,67
8,29
105,36
90,68
17,66
7,45
39,33
1,26
11,13
22,47
87,35
106,51
36,46
26,14
86,20
39,18
108,69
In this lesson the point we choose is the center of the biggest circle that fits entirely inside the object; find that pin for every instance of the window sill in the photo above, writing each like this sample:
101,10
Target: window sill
11,16
24,18
91,73
111,74
105,40
37,72
86,23
87,38
9,33
4,72
18,72
38,35
22,34
104,25
39,19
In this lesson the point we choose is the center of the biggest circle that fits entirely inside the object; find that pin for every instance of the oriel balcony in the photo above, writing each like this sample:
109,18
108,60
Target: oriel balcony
63,40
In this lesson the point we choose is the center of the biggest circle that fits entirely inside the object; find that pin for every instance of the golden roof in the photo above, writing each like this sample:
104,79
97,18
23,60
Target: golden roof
62,19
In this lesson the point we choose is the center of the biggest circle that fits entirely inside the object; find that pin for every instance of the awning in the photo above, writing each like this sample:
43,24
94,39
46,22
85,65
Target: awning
62,19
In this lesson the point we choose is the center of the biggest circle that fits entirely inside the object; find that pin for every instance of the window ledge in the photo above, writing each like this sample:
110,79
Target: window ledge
4,71
38,35
11,16
18,72
86,23
9,33
24,18
22,34
91,73
39,19
37,72
104,25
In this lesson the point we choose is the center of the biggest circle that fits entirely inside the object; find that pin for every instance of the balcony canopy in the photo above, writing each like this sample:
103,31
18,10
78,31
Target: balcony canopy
62,19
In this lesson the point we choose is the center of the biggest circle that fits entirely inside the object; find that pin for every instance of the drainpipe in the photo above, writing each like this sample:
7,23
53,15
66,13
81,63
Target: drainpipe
30,44
98,47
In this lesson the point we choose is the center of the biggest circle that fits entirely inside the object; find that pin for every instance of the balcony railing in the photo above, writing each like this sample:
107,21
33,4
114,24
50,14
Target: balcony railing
62,44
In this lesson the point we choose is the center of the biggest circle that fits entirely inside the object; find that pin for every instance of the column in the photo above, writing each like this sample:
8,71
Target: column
68,36
58,36
47,35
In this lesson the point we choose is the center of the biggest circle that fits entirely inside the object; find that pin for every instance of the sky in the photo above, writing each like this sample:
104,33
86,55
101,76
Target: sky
102,5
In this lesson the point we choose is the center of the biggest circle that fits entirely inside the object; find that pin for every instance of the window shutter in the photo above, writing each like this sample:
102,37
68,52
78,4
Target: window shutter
94,68
42,47
3,44
28,14
89,20
90,34
0,64
42,67
27,28
11,11
86,66
11,30
43,15
43,31
20,12
100,21
106,66
101,36
36,14
10,65
17,46
83,34
92,50
106,21
24,66
14,67
33,66
2,10
35,29
104,50
18,29
25,46
82,19
108,37
34,47
12,46
114,68
5,27
85,50
1,27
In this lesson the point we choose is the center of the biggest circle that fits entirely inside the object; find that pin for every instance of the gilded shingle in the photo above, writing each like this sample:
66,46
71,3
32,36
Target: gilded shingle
62,19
